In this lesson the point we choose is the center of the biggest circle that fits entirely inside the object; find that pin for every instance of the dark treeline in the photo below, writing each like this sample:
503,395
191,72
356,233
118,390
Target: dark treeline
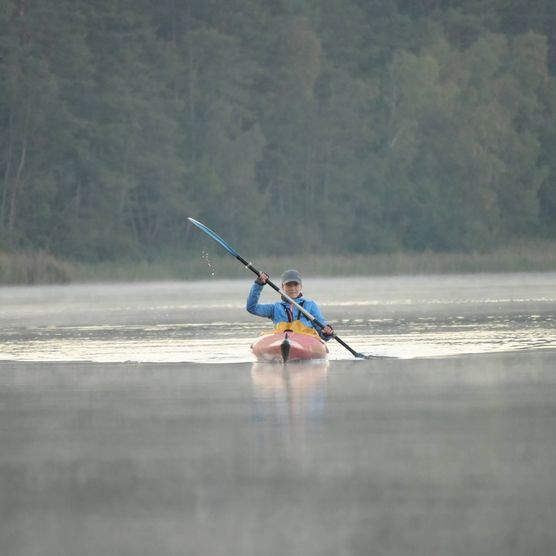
320,126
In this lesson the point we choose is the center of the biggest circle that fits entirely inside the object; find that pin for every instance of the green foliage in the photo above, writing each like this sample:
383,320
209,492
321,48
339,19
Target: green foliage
314,127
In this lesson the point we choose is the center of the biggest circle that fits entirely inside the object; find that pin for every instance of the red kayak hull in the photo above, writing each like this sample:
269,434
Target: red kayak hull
289,346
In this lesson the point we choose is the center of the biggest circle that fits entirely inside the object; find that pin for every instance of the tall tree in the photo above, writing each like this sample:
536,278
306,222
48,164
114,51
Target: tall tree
42,128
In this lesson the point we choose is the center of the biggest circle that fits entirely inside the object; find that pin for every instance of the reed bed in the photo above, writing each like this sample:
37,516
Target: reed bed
34,268
42,268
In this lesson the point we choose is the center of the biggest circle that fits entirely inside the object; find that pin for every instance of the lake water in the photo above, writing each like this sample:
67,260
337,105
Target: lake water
134,421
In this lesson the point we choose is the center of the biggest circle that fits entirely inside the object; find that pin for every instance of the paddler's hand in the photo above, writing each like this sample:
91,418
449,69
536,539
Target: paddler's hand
262,279
328,330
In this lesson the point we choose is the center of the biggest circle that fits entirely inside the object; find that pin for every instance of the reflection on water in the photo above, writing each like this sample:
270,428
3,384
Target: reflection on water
444,456
289,393
289,404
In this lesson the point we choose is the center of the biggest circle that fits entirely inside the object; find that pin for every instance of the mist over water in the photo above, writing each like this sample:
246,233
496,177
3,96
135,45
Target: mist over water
134,421
207,322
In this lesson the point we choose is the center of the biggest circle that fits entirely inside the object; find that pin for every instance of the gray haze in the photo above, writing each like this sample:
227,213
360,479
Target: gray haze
133,421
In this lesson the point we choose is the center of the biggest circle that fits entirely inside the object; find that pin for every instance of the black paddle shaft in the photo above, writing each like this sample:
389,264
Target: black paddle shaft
250,266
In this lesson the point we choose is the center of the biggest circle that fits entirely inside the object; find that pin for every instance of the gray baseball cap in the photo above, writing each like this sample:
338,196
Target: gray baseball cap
291,276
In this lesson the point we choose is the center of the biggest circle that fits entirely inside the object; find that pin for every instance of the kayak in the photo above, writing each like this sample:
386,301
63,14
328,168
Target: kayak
289,346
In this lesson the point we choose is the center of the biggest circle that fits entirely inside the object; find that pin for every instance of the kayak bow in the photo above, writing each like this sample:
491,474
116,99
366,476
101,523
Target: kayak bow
289,346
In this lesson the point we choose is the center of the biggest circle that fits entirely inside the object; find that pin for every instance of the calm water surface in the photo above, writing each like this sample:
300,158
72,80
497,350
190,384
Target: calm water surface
133,421
206,321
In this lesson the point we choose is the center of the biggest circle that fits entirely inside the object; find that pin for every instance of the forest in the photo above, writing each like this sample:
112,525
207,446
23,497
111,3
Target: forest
307,126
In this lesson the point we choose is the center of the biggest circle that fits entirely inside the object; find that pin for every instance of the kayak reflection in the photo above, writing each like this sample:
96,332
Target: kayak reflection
289,393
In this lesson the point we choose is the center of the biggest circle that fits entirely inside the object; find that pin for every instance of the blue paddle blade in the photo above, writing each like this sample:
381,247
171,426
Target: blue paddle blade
214,236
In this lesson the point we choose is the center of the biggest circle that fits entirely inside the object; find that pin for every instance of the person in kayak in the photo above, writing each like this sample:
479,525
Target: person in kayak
284,314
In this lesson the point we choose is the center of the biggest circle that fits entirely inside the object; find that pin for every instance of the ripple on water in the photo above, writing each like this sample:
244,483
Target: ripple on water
206,322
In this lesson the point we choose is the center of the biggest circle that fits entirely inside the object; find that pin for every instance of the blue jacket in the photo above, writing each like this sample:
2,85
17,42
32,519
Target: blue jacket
278,311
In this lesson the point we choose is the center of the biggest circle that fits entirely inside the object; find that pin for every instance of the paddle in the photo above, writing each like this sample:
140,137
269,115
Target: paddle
250,266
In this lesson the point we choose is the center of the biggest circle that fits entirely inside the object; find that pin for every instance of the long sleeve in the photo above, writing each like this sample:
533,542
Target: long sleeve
254,307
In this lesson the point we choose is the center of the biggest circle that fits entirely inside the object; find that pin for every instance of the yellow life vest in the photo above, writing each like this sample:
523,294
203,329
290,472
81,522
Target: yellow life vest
295,326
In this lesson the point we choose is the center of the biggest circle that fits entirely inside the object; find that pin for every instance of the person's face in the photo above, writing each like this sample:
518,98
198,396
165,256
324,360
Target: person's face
293,289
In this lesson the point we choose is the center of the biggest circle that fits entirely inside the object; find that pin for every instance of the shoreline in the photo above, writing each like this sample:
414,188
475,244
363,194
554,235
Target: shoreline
43,268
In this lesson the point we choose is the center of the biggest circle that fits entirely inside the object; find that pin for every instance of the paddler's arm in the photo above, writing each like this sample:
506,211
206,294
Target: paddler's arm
325,333
253,306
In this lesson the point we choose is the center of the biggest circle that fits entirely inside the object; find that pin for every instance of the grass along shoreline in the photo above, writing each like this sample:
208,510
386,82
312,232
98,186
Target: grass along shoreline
42,268
34,268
